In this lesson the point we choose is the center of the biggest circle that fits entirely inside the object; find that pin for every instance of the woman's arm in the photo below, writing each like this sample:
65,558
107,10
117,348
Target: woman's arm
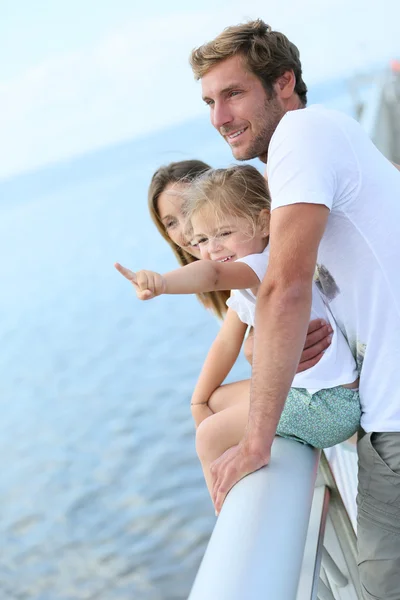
196,278
220,360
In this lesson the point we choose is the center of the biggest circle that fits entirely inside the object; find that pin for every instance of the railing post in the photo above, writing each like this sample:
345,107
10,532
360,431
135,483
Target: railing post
256,549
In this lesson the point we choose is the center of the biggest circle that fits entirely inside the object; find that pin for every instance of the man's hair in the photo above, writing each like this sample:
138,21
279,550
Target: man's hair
267,54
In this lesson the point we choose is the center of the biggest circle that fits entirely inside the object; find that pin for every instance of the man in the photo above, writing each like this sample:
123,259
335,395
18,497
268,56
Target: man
335,205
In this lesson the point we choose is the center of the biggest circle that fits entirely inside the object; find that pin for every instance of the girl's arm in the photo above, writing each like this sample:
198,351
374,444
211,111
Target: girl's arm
220,360
196,278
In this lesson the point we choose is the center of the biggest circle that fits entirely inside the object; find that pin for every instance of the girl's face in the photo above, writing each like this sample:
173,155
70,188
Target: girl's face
169,208
228,238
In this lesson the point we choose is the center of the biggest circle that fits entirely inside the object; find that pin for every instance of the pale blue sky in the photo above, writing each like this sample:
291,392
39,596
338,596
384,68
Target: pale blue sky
31,30
79,74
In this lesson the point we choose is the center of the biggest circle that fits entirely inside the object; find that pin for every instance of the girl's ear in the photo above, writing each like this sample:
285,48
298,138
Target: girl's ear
263,221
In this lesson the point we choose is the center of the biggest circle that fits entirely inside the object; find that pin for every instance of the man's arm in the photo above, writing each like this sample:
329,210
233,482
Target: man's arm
282,315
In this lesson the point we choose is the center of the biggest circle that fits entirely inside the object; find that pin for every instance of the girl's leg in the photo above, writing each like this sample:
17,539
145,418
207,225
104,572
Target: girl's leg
224,397
230,394
200,412
219,432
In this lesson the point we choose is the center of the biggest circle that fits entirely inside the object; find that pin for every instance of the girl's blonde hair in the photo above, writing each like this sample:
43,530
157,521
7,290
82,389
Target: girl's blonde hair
239,190
185,171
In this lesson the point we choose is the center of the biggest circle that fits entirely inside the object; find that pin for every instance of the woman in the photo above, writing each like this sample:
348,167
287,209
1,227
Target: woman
165,200
165,205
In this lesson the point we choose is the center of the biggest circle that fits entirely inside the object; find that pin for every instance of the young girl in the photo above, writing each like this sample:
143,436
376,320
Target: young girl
228,211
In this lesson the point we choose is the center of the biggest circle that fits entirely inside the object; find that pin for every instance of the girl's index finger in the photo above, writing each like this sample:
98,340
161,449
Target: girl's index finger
127,273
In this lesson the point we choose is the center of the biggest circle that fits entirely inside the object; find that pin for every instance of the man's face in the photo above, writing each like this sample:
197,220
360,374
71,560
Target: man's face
240,108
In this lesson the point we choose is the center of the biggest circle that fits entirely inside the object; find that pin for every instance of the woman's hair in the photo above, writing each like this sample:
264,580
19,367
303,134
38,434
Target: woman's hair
267,54
239,190
184,171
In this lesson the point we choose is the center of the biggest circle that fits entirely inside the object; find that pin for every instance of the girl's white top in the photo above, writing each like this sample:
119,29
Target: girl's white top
336,367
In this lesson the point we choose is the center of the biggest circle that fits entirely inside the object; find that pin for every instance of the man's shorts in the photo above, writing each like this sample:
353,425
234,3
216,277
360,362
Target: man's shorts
378,520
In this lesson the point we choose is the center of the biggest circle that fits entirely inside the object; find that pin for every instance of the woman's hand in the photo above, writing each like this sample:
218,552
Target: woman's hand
319,336
147,284
248,346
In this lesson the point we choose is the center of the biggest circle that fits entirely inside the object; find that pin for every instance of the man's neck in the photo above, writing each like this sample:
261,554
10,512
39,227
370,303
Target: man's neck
293,103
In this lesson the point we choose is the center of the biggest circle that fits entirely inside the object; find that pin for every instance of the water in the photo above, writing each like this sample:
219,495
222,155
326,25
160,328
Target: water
102,496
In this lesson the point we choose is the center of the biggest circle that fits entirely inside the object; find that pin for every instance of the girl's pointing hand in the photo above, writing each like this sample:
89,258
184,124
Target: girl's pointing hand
147,284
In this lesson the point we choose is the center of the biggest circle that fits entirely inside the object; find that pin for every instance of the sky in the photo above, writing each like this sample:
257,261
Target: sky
78,75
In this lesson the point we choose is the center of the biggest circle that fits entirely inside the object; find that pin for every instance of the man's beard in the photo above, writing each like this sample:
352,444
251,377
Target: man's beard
271,114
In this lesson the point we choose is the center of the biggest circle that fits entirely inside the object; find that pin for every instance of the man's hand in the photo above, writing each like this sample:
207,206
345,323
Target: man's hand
231,467
147,284
319,337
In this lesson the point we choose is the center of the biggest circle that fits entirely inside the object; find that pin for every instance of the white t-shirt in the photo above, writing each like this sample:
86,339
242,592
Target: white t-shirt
321,156
336,367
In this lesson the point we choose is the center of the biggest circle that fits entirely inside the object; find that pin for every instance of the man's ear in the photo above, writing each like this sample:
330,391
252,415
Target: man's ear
285,84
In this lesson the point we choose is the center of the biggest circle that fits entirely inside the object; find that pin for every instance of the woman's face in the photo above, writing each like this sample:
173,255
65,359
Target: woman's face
169,208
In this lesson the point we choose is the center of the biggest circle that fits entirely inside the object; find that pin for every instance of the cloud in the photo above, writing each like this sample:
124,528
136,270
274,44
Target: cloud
123,87
137,79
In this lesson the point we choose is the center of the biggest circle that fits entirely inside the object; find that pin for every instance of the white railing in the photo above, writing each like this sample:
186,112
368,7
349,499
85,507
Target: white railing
261,530
283,534
337,545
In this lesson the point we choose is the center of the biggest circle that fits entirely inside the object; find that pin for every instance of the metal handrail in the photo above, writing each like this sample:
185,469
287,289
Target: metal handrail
261,529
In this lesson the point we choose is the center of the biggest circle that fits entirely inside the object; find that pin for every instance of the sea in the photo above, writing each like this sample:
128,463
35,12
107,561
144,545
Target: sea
101,494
